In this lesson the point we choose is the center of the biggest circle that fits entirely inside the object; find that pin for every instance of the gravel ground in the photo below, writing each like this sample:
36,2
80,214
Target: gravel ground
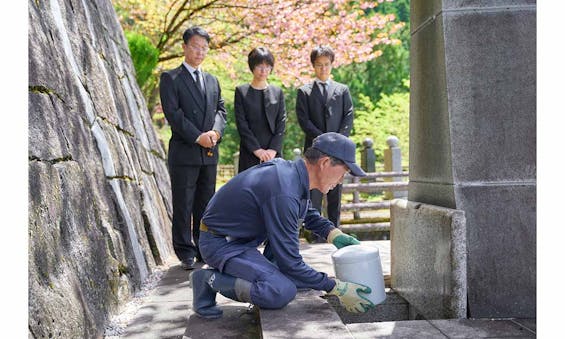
118,323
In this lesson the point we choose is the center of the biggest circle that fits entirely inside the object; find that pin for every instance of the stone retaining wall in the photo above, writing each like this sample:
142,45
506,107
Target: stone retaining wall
99,189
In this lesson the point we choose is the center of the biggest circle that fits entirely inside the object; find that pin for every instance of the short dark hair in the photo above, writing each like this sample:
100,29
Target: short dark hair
319,51
312,155
258,56
195,30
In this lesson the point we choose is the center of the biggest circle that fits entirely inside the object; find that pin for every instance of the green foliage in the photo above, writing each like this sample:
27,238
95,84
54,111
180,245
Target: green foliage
380,88
400,8
144,56
389,116
294,136
385,74
230,140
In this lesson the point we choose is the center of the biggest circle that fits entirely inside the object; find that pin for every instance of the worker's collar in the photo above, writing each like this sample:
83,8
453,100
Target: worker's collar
303,176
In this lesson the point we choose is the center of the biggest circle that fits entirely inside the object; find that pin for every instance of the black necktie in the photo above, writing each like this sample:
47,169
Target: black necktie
198,84
324,91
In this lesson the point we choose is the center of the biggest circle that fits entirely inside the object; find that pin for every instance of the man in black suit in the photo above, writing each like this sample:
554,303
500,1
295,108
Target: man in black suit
193,105
324,106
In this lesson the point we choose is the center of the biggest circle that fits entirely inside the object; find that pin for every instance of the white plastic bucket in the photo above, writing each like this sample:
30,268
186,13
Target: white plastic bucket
361,264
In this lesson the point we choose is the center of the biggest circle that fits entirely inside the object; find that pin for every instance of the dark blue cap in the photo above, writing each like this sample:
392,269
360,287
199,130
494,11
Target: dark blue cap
340,147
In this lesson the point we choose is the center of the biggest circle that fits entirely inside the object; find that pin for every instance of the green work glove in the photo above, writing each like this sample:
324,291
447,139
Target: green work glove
340,239
350,297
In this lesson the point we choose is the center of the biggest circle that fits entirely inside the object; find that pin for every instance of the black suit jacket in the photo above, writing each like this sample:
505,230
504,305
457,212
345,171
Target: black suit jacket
254,135
317,117
190,114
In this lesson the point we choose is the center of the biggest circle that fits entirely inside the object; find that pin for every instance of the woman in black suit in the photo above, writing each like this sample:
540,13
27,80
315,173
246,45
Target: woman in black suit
260,113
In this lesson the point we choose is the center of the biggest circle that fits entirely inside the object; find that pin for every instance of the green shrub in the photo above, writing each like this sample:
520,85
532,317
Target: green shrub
144,56
389,116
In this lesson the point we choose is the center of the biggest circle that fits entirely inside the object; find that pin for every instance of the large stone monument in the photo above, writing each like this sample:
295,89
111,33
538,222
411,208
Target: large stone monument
99,190
473,140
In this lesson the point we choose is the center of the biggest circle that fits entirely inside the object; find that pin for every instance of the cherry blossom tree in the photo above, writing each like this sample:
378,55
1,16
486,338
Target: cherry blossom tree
289,28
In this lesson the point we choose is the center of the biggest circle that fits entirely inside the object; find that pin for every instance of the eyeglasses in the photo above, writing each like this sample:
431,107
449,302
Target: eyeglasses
264,68
328,65
204,49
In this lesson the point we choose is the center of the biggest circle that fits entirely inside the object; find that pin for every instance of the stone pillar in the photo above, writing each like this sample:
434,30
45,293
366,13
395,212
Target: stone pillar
393,163
297,153
368,157
473,139
235,163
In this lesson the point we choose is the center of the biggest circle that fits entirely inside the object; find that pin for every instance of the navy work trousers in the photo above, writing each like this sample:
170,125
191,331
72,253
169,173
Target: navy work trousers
270,288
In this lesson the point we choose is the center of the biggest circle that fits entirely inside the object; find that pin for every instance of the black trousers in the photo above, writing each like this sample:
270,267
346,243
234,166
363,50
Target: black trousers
192,188
334,203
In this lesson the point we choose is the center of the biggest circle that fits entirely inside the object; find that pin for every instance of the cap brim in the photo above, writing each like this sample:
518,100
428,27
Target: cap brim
355,170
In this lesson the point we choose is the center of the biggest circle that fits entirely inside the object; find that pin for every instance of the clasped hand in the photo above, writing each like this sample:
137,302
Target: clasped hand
208,139
265,154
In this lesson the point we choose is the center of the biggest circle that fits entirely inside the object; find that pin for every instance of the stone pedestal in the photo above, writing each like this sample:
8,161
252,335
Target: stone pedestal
235,163
473,139
428,258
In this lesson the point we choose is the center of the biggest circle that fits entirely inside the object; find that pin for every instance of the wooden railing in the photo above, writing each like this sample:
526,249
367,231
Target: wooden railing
226,171
378,185
372,183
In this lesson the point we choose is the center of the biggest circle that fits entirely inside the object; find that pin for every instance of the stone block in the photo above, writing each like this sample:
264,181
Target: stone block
528,324
491,85
486,131
420,329
473,139
481,328
485,4
501,246
430,146
428,258
432,193
422,11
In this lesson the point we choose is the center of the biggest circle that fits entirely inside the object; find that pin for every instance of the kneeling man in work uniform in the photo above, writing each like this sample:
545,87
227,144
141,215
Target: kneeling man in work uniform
269,202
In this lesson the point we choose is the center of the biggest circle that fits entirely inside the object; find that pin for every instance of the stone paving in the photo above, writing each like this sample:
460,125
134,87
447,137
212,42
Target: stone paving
167,313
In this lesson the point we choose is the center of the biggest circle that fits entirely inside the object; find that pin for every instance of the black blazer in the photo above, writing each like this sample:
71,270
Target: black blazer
317,117
248,115
190,114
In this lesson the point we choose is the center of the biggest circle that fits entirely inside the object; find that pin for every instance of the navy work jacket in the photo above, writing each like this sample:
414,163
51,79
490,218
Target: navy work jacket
269,202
